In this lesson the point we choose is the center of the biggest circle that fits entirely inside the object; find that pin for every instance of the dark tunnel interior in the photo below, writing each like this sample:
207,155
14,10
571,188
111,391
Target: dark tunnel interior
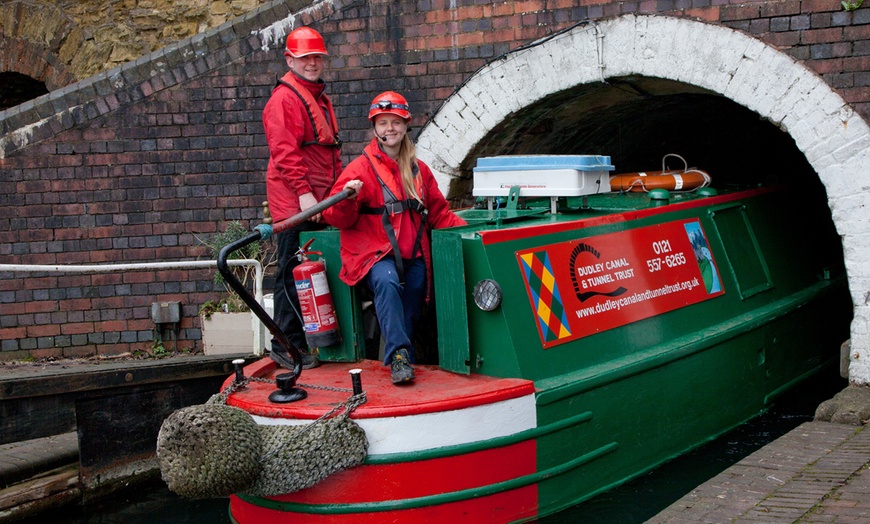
637,121
16,89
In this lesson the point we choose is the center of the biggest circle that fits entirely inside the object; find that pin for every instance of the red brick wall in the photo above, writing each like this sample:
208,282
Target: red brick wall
135,166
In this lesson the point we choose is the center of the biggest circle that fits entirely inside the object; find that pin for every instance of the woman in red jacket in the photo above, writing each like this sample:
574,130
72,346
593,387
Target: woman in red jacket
384,243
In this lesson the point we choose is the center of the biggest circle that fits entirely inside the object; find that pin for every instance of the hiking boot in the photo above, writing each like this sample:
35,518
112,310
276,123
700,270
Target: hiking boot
283,359
400,369
309,361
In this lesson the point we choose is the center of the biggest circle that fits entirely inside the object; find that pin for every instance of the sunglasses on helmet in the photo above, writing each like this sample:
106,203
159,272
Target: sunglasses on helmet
386,104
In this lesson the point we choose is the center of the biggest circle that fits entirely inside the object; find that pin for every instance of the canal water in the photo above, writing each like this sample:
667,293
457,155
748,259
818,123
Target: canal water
634,502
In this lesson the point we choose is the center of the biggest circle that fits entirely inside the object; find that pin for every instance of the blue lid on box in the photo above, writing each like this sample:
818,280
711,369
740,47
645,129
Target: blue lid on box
539,162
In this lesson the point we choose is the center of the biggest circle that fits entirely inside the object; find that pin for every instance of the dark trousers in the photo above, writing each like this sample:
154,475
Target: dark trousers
286,311
397,305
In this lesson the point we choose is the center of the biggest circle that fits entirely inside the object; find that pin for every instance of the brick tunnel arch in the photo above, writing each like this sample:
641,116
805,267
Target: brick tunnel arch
39,41
34,61
830,136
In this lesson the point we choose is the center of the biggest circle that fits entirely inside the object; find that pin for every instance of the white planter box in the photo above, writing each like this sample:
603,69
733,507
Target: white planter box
227,333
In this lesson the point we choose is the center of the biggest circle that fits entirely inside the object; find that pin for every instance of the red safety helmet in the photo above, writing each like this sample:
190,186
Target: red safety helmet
304,41
390,102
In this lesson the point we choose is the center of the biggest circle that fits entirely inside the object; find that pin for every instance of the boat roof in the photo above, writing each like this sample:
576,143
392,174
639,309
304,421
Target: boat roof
532,216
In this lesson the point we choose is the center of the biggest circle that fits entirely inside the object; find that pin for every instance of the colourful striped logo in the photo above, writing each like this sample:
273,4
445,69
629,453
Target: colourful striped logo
541,284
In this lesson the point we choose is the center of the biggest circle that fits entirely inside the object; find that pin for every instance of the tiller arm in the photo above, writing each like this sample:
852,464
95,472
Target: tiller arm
264,232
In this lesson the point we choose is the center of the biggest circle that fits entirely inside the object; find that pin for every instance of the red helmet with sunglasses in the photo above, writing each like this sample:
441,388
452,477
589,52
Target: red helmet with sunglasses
392,103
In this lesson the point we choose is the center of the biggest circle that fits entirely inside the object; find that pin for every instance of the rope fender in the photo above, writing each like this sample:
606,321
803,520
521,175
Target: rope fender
214,450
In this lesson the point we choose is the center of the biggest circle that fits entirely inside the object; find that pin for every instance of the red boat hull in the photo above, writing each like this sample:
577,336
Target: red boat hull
417,471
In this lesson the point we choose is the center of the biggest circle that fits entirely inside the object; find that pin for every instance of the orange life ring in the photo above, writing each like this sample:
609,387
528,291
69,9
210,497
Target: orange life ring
671,180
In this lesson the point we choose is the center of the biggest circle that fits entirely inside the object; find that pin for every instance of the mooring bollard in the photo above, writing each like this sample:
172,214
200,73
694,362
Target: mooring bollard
356,380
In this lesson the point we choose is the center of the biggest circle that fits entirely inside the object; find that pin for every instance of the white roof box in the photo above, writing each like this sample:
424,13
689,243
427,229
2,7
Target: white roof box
542,175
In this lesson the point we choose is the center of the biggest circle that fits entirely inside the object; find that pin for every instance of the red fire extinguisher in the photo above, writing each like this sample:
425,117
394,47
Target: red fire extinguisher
315,301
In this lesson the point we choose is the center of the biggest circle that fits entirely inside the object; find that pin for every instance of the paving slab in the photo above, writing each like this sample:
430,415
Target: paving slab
22,460
818,472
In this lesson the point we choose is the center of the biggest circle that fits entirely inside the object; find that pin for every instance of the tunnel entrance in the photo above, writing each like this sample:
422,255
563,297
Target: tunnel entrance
636,87
16,89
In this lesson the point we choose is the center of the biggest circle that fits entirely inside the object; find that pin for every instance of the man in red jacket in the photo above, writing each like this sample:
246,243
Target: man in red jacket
304,162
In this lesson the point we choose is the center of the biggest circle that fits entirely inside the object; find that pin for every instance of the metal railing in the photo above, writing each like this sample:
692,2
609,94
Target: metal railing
257,325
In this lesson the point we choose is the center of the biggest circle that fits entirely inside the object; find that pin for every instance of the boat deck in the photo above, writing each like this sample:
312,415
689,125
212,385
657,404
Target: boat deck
328,385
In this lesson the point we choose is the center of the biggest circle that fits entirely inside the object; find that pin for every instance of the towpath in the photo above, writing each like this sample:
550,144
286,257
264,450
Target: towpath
818,472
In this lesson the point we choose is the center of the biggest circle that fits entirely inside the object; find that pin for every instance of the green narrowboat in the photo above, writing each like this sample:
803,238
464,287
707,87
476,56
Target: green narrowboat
581,334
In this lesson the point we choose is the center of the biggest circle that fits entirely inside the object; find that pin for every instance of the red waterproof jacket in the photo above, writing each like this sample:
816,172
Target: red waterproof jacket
363,238
297,164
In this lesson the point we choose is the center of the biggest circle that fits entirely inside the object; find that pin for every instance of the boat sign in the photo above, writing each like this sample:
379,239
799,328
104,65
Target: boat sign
581,287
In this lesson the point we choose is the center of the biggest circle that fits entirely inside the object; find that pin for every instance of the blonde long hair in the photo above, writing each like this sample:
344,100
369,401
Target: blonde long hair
407,160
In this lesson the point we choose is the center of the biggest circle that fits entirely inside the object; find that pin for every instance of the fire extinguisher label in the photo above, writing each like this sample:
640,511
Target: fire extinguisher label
318,283
307,305
315,304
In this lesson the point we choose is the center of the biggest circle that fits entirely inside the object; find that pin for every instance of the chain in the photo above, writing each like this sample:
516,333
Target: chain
309,386
229,390
349,405
327,388
237,385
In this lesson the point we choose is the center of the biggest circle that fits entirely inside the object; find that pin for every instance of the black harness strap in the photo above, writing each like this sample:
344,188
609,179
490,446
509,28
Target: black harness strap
393,206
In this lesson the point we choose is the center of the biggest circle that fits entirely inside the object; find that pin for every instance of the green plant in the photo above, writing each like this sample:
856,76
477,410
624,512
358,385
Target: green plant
232,302
210,307
851,6
158,350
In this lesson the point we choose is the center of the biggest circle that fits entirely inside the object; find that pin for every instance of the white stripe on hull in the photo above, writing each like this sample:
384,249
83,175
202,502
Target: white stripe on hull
434,430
